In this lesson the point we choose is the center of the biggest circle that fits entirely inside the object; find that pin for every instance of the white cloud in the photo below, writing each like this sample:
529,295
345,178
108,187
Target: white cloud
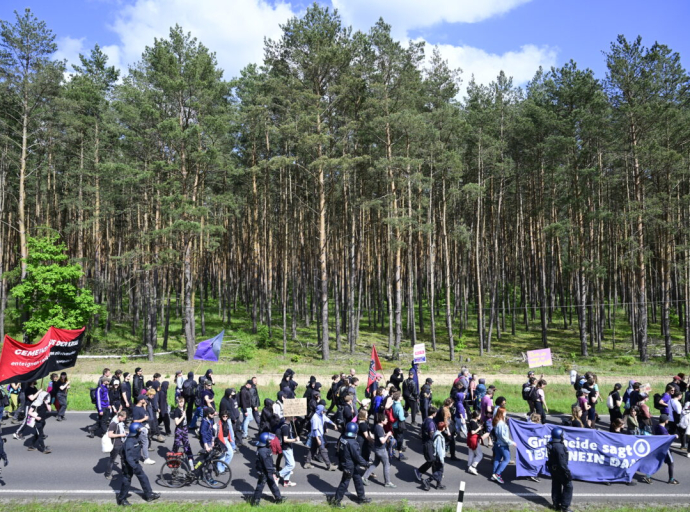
235,29
69,48
521,64
405,15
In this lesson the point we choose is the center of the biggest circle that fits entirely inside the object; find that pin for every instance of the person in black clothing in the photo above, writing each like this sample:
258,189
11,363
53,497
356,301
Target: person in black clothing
3,454
411,396
397,378
131,467
331,392
425,398
561,478
39,410
189,393
310,388
209,375
349,458
137,383
245,403
266,470
164,407
229,403
256,401
268,421
126,389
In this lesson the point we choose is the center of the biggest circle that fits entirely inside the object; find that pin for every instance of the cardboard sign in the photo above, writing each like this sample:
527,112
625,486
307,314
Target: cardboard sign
294,407
537,358
420,353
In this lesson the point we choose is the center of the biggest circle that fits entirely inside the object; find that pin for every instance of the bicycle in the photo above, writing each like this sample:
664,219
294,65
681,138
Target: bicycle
176,472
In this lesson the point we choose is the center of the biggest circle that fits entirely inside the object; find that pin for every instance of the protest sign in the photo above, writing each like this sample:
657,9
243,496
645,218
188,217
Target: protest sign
594,456
538,358
420,353
294,407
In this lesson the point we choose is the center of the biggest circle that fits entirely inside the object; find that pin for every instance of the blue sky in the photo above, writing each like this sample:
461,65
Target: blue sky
480,36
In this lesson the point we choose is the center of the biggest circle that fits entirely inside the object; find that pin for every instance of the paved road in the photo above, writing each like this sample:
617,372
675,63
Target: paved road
75,471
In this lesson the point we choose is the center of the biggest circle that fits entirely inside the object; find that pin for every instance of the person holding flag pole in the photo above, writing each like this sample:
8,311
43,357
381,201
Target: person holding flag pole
374,366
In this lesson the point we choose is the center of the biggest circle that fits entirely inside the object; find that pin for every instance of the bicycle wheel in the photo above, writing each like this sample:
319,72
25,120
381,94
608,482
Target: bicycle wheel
216,474
175,476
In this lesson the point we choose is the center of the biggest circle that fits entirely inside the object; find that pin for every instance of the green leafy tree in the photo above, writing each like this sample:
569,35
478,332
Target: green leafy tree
49,294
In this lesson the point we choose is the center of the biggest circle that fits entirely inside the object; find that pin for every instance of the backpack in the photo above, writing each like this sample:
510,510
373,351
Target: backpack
578,383
189,388
534,394
199,392
329,395
4,397
340,393
526,391
657,399
92,395
609,402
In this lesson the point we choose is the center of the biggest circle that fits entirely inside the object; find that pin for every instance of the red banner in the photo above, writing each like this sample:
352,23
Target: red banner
24,362
374,365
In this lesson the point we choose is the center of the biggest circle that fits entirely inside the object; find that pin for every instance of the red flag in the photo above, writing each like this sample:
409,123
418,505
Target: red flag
374,365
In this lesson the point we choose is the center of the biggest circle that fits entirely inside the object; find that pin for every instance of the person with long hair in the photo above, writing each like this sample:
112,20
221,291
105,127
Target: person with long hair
576,417
62,386
501,446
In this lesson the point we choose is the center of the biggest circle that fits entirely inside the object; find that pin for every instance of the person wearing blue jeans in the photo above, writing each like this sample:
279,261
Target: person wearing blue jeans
287,438
501,446
246,407
225,436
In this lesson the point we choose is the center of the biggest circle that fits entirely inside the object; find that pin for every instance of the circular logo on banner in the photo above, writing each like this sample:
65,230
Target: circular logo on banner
641,448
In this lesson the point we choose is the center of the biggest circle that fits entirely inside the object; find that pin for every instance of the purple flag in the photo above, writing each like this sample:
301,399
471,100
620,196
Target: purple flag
209,350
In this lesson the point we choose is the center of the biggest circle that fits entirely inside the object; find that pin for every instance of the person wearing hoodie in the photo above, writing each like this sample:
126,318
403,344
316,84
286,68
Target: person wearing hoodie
310,388
103,408
289,380
626,396
229,403
181,431
268,421
209,375
256,401
397,379
163,407
278,405
317,438
437,462
189,387
137,383
246,407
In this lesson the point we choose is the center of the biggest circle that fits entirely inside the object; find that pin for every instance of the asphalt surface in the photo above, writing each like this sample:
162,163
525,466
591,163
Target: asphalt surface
74,470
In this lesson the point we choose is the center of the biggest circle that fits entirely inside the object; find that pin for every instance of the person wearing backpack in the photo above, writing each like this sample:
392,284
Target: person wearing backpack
437,462
527,388
411,396
561,477
116,432
539,397
425,398
189,388
613,403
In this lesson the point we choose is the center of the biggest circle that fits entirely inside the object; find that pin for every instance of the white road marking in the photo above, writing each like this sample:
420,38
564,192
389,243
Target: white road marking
317,493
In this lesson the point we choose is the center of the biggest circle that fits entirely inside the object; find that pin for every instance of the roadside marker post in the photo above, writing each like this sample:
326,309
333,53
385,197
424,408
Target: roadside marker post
461,496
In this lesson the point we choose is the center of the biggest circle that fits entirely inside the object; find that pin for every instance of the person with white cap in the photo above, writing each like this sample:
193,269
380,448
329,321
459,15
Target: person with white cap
317,438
